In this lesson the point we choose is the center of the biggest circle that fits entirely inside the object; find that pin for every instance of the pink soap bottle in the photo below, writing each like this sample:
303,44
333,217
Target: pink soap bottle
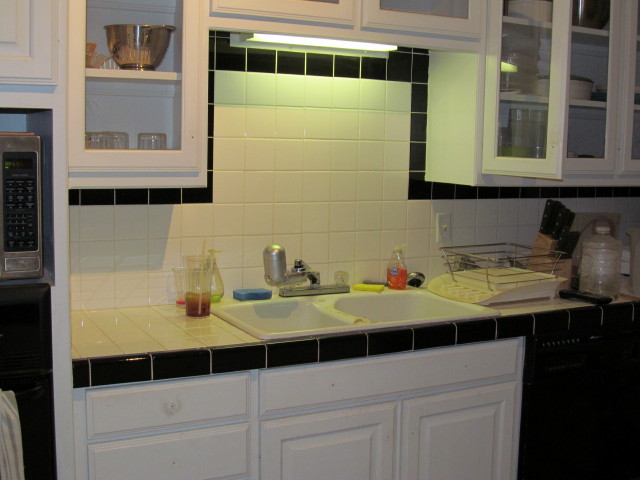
397,269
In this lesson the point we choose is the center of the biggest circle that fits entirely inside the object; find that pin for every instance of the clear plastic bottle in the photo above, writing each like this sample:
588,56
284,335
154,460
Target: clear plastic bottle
397,269
217,285
600,265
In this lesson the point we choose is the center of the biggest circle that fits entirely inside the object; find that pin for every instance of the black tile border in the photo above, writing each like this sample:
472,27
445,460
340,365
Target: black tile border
88,372
406,65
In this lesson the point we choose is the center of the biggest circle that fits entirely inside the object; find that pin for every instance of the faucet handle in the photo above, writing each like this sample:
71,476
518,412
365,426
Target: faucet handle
415,279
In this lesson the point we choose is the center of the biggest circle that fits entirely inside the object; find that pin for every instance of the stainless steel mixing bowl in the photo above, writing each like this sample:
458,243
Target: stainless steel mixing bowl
138,47
591,13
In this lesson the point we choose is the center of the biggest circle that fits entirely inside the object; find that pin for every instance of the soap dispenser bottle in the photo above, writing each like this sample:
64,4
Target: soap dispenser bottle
397,269
217,286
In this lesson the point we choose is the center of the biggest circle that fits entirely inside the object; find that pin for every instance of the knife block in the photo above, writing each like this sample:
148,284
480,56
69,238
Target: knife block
542,262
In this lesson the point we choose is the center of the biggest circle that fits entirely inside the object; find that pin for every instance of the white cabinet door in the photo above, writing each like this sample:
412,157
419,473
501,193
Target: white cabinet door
462,18
630,91
170,100
525,123
461,435
28,41
355,443
203,454
331,11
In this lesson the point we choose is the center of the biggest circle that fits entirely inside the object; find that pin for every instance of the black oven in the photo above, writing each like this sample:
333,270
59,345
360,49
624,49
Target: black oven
581,407
26,370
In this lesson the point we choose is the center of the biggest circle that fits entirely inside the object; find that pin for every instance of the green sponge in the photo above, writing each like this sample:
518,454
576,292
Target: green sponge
245,294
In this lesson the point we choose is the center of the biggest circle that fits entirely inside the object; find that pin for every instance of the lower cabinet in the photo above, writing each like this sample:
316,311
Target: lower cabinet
442,414
204,453
461,435
194,429
353,443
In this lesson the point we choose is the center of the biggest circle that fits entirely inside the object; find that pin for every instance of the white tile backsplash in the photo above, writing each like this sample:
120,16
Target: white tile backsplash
317,164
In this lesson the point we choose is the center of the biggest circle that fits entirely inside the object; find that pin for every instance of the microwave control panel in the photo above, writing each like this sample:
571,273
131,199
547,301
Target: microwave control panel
21,251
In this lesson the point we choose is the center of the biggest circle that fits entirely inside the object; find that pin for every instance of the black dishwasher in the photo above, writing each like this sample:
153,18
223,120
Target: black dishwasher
581,407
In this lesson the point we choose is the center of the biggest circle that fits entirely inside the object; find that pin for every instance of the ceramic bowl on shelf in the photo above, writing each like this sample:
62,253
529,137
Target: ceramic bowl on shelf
590,13
579,88
138,47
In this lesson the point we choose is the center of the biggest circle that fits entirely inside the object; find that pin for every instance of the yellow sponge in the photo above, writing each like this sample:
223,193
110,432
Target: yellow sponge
368,288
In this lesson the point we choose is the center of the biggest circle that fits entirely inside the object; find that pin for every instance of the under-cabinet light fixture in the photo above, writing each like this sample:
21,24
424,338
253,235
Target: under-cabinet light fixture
508,67
312,44
320,42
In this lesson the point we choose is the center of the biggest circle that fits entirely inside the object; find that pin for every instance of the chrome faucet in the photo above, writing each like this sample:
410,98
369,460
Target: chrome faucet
290,281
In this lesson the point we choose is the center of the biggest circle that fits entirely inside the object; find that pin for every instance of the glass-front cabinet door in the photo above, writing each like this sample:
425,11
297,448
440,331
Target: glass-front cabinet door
461,18
630,92
551,69
596,33
134,121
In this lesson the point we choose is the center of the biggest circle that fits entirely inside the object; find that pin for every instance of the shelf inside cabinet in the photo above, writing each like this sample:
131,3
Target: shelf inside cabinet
587,103
525,22
590,36
523,98
128,75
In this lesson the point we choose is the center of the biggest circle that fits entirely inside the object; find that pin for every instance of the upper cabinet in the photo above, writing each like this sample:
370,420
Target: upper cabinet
137,127
630,91
557,85
457,17
28,41
548,114
453,25
331,11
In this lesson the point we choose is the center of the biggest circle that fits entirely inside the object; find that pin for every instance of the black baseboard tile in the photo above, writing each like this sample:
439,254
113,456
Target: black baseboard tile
294,352
120,369
514,326
585,318
81,372
556,321
238,358
470,331
390,341
341,347
432,336
183,363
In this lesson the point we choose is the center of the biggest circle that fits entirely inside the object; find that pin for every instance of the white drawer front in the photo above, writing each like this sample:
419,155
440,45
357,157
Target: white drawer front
160,405
209,453
300,387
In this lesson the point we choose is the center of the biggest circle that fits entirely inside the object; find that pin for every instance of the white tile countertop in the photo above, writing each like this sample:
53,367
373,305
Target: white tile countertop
131,330
97,333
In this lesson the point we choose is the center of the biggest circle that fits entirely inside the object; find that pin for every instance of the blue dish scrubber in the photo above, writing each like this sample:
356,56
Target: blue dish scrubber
245,294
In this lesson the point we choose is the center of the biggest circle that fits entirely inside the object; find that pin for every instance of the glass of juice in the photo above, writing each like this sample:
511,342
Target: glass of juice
197,270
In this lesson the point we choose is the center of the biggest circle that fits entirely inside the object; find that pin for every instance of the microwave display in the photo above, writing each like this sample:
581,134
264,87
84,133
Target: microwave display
10,163
20,250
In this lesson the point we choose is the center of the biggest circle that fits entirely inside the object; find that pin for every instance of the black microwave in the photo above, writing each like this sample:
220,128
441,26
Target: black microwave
20,206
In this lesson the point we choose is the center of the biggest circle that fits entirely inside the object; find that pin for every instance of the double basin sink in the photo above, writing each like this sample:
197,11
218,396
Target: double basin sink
279,318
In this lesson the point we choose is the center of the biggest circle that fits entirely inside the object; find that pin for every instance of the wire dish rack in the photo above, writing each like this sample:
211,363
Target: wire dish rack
498,272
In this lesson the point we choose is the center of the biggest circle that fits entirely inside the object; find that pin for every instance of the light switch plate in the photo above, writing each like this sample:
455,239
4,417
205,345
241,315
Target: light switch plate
443,227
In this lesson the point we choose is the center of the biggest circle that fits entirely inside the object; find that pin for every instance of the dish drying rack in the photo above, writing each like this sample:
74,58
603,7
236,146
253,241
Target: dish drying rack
498,272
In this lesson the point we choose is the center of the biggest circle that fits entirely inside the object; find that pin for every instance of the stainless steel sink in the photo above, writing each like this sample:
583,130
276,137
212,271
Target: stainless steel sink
306,316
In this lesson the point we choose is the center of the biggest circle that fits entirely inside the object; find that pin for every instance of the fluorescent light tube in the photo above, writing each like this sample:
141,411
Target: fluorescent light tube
320,42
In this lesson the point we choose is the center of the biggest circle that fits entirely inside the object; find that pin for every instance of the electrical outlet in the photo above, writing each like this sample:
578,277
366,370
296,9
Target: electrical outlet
443,227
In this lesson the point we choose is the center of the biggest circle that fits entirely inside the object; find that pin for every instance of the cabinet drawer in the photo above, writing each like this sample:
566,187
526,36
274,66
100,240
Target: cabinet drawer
308,386
204,454
161,405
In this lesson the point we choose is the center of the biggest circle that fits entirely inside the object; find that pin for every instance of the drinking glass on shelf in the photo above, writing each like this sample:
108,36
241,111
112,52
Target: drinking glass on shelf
95,140
152,141
118,140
